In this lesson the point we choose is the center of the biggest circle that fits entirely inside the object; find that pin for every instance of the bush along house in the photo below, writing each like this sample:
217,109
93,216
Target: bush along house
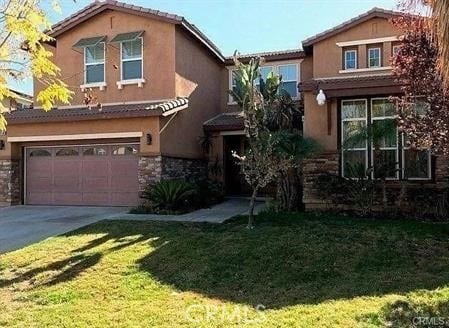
347,89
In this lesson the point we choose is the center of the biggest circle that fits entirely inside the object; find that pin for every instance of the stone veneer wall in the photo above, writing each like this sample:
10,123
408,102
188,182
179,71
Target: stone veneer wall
329,163
156,168
9,182
325,163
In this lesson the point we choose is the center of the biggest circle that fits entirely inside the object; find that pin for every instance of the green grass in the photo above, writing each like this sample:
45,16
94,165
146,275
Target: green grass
308,271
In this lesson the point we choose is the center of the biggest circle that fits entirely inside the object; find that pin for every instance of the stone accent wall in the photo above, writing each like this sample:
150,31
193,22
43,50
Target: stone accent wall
9,182
156,168
149,170
419,193
186,169
324,163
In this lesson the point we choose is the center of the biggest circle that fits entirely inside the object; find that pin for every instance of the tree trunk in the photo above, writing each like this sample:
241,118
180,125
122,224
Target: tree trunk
252,204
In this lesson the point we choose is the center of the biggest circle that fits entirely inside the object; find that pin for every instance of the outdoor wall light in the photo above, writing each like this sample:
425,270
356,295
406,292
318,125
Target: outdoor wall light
149,139
321,98
2,144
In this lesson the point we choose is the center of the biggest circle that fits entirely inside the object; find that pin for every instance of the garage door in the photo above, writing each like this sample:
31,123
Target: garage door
82,175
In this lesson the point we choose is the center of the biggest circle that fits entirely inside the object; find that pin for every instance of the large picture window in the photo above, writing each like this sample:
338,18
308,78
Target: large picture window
371,142
94,64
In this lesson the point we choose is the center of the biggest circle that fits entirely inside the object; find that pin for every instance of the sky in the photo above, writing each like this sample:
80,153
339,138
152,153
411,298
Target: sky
247,26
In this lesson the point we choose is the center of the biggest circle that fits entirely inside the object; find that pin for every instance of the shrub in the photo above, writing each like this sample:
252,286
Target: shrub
169,195
208,193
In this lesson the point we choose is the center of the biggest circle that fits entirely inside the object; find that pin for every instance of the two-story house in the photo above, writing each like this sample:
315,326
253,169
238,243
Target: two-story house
347,87
151,90
156,78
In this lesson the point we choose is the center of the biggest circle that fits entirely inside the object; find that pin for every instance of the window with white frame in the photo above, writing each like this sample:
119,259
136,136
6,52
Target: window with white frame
374,57
131,59
94,71
384,147
376,117
350,61
353,123
289,75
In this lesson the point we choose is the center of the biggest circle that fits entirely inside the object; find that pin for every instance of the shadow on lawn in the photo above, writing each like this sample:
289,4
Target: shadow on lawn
62,271
286,263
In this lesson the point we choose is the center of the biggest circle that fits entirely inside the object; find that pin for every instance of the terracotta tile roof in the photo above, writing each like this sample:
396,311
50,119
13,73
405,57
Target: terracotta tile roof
225,122
105,112
353,85
269,56
375,12
99,6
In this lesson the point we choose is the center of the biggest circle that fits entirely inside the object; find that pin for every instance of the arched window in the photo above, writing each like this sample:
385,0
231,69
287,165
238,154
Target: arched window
95,151
124,150
67,152
39,153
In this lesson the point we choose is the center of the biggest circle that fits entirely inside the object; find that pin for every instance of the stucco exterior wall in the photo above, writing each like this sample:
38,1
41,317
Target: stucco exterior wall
198,78
158,57
316,122
145,125
327,56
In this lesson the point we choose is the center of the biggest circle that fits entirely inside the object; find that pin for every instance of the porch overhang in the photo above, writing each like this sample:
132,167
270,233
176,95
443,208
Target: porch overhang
225,122
364,85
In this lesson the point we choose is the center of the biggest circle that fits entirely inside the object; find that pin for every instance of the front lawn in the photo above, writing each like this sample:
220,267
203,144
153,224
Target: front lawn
306,270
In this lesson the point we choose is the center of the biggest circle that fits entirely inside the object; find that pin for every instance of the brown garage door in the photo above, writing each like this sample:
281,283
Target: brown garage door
82,175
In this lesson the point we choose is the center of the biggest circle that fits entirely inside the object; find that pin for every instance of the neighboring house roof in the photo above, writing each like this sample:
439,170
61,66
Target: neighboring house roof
353,85
225,122
106,111
373,13
97,7
22,96
268,56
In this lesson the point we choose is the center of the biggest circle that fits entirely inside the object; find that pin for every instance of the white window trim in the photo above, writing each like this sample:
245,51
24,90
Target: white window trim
360,70
356,59
297,77
100,85
275,69
429,162
367,41
363,119
122,81
380,118
380,57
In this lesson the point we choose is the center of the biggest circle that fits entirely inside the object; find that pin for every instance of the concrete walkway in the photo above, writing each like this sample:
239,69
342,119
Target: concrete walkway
25,225
216,214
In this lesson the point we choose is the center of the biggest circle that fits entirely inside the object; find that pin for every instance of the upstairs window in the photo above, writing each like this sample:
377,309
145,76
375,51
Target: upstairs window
289,75
350,59
374,57
94,63
264,72
131,58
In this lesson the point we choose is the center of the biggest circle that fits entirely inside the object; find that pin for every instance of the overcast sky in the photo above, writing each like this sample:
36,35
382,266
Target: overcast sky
248,25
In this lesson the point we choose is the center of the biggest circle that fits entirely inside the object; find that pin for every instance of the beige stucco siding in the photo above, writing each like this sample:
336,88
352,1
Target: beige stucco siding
198,78
144,125
315,123
158,57
327,56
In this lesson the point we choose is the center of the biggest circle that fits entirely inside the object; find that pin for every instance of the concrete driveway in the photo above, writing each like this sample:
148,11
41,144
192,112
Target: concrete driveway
24,225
